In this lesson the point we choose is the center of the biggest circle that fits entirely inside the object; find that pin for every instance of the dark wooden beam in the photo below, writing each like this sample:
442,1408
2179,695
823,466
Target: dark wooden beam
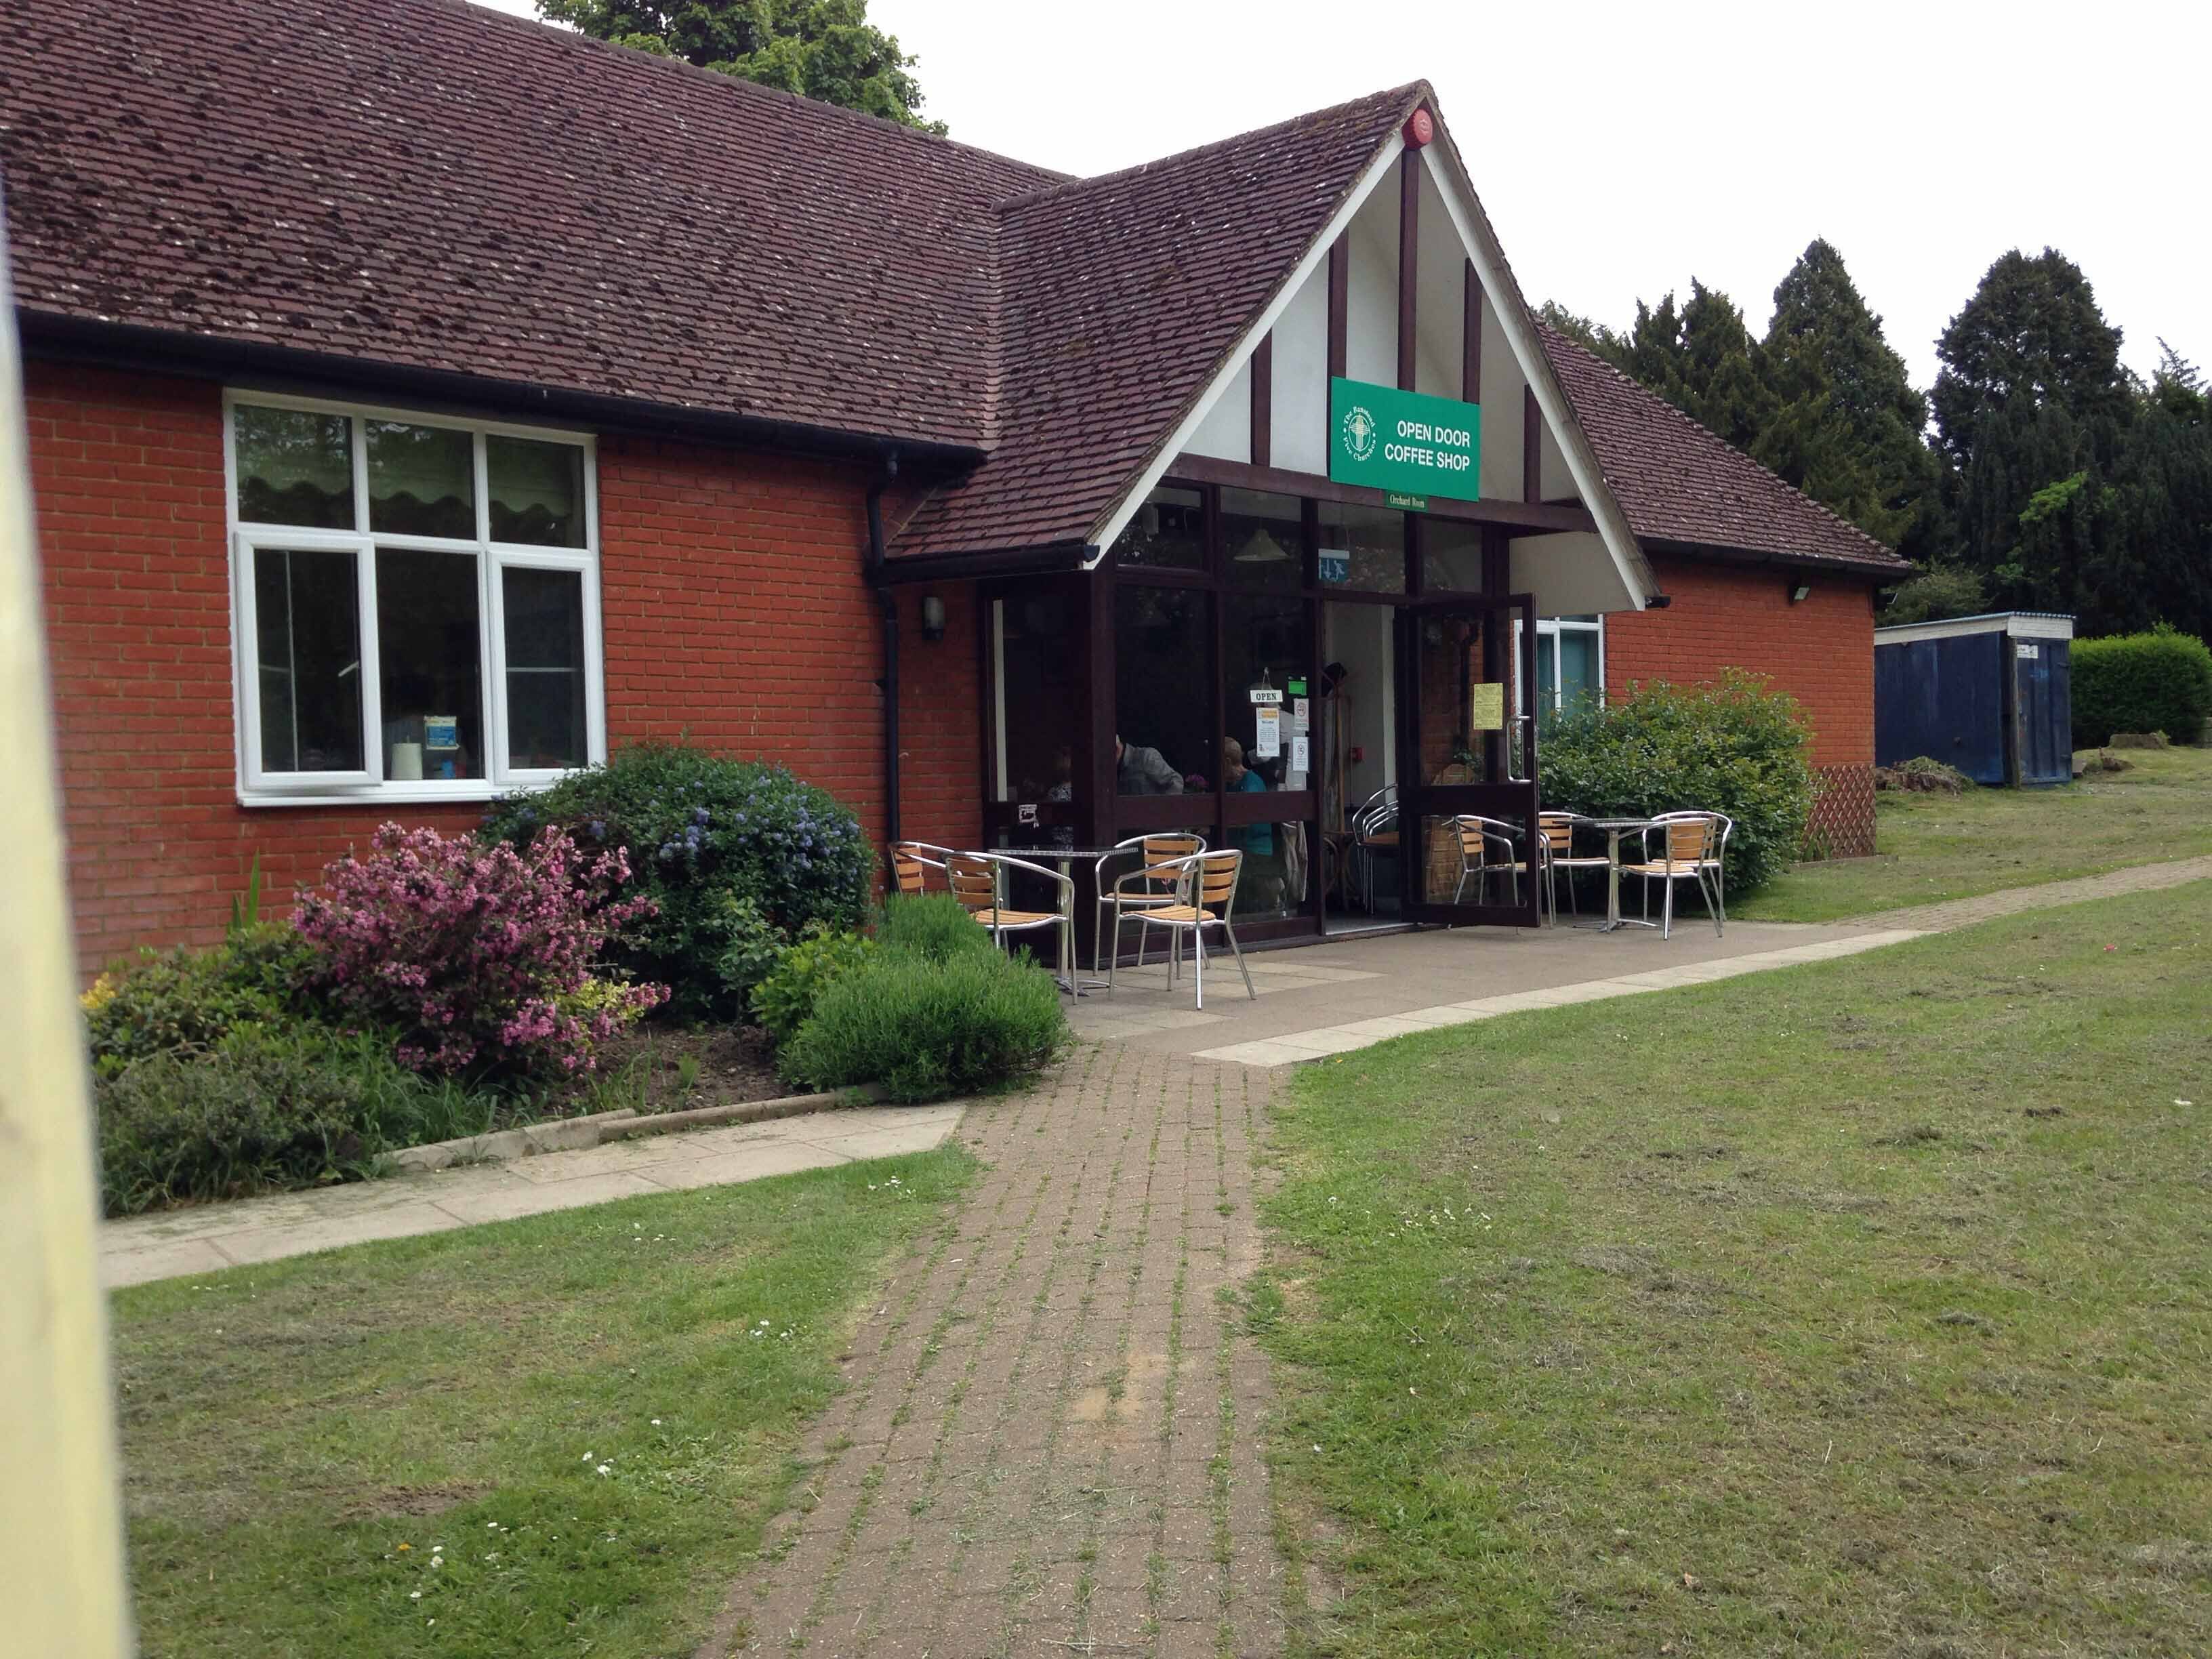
1470,351
1339,302
1263,400
1532,447
1409,261
1514,518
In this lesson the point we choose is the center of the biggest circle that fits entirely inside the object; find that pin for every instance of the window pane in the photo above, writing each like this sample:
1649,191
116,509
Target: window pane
306,616
1577,665
543,610
421,480
1041,682
1168,530
1266,644
293,467
536,491
1363,547
1265,538
430,655
1163,689
1451,556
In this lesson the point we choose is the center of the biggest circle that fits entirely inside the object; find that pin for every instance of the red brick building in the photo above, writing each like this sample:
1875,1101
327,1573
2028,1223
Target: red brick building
412,439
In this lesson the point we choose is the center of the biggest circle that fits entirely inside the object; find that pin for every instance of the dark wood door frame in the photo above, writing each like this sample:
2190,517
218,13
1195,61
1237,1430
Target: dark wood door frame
1516,799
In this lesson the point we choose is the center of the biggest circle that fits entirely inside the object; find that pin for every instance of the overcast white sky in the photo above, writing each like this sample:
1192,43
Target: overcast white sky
1621,149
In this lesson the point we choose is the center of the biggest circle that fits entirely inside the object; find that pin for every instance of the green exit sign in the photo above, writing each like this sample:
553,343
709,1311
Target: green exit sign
1407,443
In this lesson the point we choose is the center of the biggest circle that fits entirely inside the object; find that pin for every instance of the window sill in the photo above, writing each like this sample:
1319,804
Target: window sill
471,793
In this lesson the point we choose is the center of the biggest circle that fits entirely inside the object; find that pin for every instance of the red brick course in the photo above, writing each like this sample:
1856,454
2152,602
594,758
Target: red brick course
1820,650
734,608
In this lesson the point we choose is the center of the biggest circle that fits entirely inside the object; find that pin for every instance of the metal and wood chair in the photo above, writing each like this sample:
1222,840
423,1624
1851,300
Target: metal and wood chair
1147,887
1205,897
1374,833
1555,841
1485,849
1693,847
911,863
978,880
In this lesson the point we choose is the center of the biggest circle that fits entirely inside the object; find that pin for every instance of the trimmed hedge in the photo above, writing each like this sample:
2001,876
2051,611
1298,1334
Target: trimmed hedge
739,857
2161,681
1736,748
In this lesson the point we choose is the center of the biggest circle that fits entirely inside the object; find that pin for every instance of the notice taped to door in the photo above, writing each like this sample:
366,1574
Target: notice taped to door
1486,706
1268,740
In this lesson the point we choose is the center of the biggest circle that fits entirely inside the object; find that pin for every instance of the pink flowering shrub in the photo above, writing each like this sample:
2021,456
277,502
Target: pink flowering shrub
480,957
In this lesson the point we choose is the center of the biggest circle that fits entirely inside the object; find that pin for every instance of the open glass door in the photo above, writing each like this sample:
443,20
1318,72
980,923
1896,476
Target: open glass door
1467,761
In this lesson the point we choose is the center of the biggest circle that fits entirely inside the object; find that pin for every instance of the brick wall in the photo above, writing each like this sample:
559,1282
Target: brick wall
1820,651
733,606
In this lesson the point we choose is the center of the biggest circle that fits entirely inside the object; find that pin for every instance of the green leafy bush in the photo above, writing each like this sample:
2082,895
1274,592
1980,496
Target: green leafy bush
1736,748
935,926
2161,681
786,997
702,832
929,1028
194,999
263,1107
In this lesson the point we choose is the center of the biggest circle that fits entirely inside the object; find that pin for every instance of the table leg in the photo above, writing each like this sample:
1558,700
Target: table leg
1612,880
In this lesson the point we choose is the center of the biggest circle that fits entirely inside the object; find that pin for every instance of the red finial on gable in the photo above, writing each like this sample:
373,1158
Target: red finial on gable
1420,127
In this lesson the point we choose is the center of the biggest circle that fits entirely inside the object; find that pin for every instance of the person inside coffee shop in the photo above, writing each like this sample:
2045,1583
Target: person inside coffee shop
1142,771
1263,876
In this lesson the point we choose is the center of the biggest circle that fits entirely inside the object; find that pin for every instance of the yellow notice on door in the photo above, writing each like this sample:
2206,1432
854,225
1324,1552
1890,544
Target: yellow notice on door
1486,706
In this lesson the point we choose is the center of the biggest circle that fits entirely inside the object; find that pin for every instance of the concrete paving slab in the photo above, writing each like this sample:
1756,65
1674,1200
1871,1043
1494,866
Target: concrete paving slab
175,1259
507,1204
745,1163
271,1243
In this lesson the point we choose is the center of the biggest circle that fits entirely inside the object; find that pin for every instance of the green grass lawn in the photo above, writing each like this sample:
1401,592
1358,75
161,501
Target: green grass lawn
562,1434
1860,1307
1945,846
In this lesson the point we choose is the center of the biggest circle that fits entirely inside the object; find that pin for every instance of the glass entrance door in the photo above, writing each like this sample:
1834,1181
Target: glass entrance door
1467,762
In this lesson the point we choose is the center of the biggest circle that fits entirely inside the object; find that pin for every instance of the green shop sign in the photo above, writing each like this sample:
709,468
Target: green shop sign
1407,443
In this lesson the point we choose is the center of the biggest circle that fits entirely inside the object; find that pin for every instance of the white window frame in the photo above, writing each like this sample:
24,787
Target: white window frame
257,787
1549,630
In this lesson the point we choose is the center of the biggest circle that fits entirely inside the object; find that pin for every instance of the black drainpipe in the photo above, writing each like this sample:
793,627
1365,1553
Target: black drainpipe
887,602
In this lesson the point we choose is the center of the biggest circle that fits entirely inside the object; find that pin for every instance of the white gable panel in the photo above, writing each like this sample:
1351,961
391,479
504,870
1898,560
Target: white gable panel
1569,573
1225,434
1439,300
1299,385
1371,310
1501,412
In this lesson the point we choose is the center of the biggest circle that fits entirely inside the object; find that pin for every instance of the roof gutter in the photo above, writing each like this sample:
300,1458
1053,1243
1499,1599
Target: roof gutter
1754,558
1051,558
887,605
141,350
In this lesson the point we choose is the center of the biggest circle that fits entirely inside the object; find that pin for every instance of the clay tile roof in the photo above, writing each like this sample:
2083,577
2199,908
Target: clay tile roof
1678,483
1121,297
431,185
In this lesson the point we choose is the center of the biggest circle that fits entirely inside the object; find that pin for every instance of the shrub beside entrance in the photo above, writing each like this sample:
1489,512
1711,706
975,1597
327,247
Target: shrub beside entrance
739,858
935,1010
1738,748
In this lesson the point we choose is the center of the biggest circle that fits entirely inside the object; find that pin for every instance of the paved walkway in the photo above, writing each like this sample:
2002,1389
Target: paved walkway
1052,1438
1987,907
209,1237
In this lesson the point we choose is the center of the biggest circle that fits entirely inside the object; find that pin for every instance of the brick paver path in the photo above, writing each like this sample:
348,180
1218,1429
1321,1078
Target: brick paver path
1986,907
1051,1443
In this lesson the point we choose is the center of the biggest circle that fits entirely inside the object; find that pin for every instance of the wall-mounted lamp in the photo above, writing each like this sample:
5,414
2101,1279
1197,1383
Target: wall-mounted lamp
1800,593
933,616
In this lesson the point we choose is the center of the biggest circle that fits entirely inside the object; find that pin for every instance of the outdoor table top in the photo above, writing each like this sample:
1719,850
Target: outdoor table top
1057,851
1620,824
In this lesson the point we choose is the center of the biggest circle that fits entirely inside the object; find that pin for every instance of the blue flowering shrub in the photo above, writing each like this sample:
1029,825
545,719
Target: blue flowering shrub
741,858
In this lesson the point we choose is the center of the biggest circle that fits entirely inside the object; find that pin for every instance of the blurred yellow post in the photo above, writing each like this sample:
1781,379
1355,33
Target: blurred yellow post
61,1543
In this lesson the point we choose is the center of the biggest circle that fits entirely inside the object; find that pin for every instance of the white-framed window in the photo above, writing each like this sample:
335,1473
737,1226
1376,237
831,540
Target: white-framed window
1570,660
415,603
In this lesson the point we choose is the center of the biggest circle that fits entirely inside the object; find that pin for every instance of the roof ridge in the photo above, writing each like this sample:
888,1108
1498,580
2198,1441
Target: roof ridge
1708,433
1070,184
478,13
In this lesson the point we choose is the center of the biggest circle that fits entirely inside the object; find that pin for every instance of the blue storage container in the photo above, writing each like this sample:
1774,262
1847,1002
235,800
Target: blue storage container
1989,695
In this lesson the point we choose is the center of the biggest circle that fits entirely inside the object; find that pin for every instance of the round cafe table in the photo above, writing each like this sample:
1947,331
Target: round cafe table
1614,830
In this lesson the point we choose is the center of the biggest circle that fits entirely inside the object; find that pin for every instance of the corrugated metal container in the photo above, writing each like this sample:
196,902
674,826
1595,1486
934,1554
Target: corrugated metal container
1989,695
